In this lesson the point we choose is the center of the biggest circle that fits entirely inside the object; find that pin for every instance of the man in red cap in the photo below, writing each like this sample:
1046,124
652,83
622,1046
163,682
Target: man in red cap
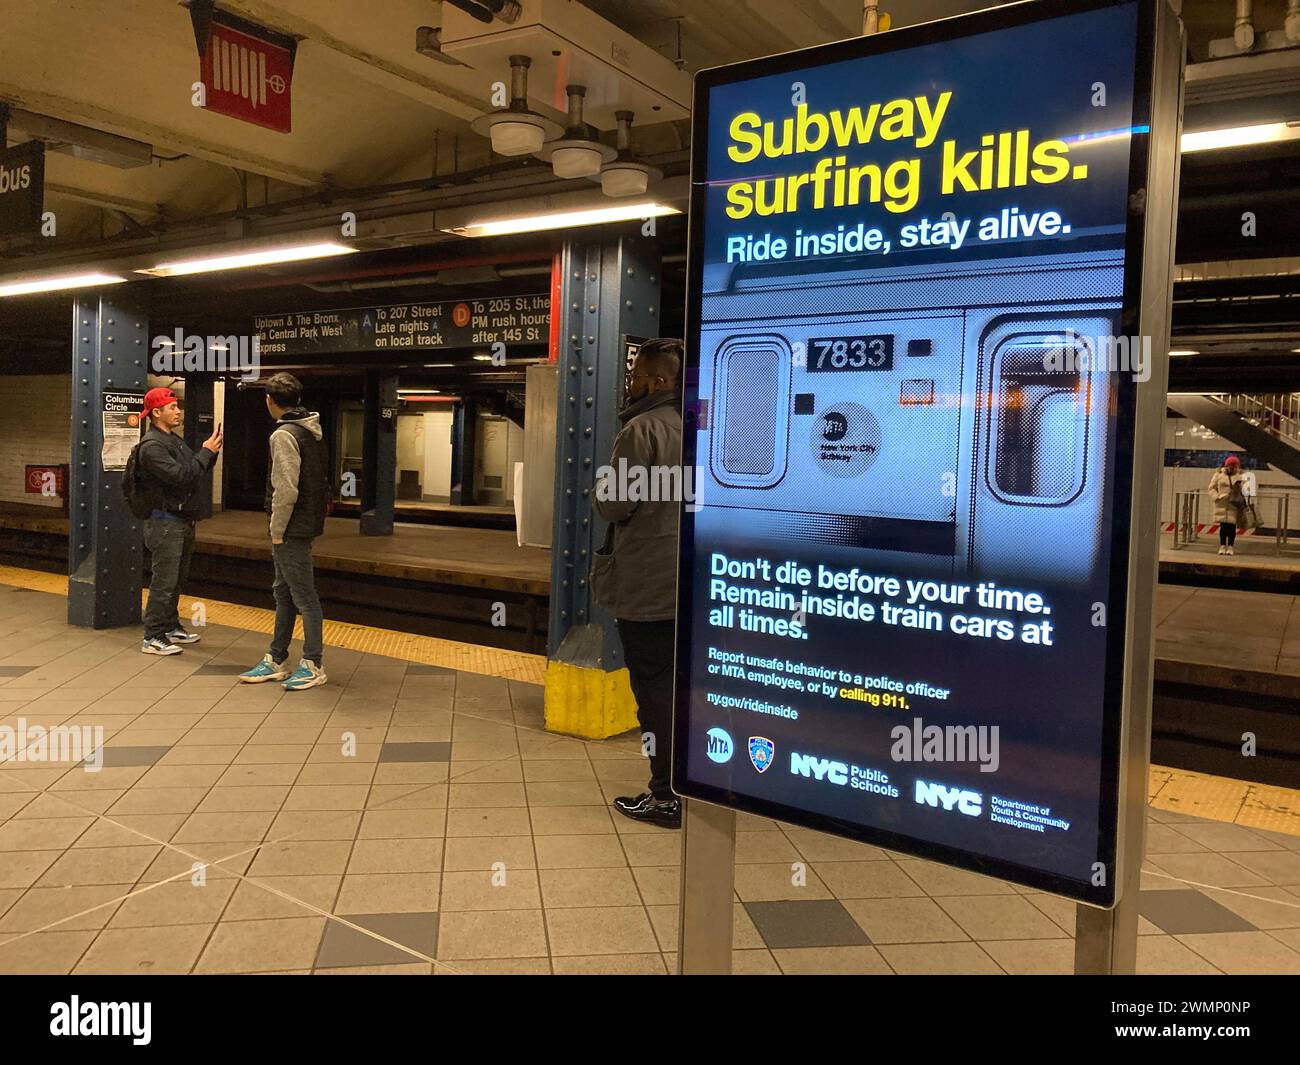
168,473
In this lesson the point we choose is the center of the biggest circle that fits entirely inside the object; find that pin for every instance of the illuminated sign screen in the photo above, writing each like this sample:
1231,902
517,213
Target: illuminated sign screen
912,360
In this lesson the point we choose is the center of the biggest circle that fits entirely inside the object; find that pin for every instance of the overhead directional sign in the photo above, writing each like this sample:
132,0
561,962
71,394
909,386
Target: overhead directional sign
398,327
926,347
22,187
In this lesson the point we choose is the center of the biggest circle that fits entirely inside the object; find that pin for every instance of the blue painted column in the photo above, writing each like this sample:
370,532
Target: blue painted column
110,354
610,291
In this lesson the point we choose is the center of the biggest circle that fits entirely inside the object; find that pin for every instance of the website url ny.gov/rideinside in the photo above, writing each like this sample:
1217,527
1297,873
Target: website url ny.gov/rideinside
1181,1031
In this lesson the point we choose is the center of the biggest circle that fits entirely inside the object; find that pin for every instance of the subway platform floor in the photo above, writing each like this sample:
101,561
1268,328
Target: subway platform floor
229,831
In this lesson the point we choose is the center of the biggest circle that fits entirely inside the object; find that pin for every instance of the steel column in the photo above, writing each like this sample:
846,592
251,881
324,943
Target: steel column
464,454
200,421
379,455
109,351
610,289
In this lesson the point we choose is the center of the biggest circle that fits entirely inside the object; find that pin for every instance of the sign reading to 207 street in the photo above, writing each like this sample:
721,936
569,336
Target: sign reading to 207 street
407,326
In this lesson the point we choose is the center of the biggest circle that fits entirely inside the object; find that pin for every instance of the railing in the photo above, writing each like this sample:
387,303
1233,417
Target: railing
1275,501
1277,413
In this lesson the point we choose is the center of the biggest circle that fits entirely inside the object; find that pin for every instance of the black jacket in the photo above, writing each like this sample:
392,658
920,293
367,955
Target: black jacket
298,485
169,472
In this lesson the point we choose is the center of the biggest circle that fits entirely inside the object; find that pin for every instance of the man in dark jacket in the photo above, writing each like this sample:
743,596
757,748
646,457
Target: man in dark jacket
636,578
169,474
297,494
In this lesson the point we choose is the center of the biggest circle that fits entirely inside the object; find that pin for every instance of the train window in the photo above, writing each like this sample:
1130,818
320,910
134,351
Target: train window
1040,417
752,411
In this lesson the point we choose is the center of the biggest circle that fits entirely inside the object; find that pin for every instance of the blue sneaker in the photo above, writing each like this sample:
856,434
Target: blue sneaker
265,670
307,675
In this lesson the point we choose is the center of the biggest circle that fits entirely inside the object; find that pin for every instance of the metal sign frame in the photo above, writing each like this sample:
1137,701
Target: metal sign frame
1147,292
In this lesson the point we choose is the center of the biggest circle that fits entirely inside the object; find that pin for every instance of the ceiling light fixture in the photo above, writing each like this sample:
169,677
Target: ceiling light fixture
1176,354
561,219
245,259
517,130
625,176
1240,136
579,153
56,284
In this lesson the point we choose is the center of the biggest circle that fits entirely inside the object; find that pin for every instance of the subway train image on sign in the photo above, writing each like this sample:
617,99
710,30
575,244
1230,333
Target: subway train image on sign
970,440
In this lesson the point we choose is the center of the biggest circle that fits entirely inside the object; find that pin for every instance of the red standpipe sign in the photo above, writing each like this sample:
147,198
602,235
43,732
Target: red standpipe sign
247,77
47,481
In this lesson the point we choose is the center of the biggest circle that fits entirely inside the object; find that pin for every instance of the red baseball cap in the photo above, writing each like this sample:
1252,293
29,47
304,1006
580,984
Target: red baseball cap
158,397
1232,460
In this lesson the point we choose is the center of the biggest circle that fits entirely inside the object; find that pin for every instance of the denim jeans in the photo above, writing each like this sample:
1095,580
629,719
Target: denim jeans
171,544
295,593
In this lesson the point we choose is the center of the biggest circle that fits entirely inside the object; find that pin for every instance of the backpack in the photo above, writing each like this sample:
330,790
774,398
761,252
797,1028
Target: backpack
137,501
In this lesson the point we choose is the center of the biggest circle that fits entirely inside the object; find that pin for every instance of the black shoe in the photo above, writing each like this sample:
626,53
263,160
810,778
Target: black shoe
666,813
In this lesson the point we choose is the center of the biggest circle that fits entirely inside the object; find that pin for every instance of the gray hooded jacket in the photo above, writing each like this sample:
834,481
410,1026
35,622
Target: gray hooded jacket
634,576
297,485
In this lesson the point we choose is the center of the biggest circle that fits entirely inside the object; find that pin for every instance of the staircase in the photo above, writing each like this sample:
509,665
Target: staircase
1268,426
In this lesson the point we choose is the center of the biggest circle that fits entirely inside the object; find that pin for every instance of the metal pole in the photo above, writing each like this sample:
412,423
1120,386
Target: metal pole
708,890
1106,940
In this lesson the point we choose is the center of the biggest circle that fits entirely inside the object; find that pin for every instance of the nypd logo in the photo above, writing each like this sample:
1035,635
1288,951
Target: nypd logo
718,745
760,752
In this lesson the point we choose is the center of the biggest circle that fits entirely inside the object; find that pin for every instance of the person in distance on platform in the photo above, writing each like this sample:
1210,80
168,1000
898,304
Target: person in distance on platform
634,576
297,496
1228,490
167,477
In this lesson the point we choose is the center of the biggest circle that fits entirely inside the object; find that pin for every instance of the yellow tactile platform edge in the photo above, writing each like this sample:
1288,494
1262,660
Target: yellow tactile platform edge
1239,802
426,650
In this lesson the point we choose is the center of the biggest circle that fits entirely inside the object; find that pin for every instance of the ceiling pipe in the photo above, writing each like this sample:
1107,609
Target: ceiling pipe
424,266
1243,30
870,17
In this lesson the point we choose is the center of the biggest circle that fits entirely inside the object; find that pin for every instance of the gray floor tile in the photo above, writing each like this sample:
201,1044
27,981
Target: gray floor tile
15,671
429,671
415,752
1186,912
343,946
133,756
219,670
806,923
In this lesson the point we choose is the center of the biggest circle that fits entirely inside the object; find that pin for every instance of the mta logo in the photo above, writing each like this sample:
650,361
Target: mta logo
807,765
718,745
969,803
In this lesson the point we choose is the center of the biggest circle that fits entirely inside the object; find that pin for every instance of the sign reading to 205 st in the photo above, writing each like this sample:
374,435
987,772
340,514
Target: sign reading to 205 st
926,331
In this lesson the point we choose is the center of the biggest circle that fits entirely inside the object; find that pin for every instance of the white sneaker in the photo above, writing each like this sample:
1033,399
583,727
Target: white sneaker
159,646
1231,551
1223,550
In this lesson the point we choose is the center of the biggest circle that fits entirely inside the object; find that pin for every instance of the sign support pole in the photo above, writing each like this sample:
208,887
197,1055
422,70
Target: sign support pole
705,920
1106,940
379,455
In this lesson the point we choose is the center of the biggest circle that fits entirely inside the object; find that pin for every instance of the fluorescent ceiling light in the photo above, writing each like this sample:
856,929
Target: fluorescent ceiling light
1239,136
482,358
1174,354
55,284
242,260
593,216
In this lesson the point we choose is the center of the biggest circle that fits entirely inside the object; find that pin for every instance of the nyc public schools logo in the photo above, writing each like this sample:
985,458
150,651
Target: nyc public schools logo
970,803
718,745
842,774
760,752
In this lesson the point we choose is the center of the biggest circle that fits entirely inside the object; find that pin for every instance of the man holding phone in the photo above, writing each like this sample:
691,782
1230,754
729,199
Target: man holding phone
169,476
298,492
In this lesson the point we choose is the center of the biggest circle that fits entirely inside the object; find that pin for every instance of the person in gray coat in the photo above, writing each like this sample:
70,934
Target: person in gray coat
634,576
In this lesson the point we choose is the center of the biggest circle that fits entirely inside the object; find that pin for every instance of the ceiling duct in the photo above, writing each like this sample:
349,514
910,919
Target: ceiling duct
626,176
515,129
579,153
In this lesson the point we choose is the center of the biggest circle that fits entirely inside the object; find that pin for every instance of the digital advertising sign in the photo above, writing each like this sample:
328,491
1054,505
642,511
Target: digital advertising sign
917,343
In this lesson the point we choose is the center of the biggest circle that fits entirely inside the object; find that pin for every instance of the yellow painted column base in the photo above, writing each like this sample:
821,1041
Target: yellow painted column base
587,702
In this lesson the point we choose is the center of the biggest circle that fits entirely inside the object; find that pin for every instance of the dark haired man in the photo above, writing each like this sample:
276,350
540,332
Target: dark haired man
168,474
635,575
297,494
